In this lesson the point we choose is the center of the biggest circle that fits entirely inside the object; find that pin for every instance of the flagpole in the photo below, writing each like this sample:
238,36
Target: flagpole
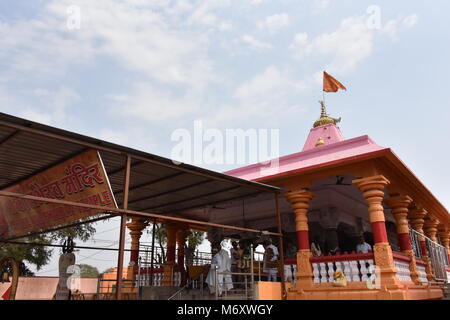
323,97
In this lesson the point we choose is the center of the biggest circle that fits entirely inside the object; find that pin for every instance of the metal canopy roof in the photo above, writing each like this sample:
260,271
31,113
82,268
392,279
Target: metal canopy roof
157,184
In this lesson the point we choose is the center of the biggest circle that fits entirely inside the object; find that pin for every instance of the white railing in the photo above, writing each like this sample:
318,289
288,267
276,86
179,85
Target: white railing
402,264
422,272
356,267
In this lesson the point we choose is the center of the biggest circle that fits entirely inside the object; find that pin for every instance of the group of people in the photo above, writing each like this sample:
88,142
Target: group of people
227,268
361,247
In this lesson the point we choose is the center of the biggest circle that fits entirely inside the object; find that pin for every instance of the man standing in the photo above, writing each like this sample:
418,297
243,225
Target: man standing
220,265
270,264
363,246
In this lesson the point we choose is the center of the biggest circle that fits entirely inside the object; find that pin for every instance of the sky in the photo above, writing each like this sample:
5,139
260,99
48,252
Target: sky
133,72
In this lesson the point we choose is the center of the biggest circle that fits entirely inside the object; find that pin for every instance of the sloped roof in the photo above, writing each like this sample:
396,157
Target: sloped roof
158,185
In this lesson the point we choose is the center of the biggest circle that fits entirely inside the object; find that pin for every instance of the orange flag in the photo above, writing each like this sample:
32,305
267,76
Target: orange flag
330,84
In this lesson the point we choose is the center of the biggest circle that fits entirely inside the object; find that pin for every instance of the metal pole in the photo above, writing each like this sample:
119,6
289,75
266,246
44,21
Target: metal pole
153,253
215,283
123,223
245,285
280,231
201,283
252,271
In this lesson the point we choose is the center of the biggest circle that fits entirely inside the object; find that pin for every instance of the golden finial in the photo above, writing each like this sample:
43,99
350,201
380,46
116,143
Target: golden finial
320,142
324,118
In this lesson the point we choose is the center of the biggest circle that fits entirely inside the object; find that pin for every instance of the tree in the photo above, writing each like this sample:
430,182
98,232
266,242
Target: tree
38,255
88,271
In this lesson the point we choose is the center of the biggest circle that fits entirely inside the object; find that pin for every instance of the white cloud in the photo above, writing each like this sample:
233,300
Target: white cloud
254,43
410,20
138,36
351,43
320,5
393,26
40,105
264,96
300,39
148,103
274,22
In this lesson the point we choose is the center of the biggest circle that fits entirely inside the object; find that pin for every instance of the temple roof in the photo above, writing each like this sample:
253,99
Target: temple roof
335,149
325,147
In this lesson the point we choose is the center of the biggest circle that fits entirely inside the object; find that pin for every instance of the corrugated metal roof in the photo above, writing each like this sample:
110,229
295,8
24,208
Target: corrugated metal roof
157,184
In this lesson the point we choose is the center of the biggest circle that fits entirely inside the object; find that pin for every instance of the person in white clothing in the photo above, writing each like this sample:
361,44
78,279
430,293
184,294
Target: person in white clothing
363,246
220,264
270,263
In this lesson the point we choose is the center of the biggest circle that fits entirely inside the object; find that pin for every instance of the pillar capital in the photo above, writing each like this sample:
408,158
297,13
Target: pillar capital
299,200
444,234
416,217
400,202
431,226
399,208
299,196
373,191
378,182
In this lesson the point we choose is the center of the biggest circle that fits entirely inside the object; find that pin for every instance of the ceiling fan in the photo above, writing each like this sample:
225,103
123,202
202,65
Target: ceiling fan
339,182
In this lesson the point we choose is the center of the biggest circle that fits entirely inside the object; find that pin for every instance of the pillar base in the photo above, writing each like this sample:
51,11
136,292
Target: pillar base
168,274
384,260
360,291
304,270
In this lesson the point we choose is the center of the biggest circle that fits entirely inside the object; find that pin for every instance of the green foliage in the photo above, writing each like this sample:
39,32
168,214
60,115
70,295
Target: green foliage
195,239
39,256
88,271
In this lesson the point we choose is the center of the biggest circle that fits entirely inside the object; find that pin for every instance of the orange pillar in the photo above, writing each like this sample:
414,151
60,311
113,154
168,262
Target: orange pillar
171,231
431,228
417,219
373,191
299,201
182,234
444,233
136,226
399,208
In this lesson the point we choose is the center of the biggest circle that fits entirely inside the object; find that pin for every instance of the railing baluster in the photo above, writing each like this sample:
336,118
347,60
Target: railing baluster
323,272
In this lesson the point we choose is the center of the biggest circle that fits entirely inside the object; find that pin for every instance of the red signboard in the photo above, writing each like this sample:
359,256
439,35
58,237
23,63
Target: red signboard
81,179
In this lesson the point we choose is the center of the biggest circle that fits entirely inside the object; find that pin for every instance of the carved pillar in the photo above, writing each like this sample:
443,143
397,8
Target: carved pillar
135,226
444,233
431,227
299,201
373,191
399,208
171,231
416,217
182,234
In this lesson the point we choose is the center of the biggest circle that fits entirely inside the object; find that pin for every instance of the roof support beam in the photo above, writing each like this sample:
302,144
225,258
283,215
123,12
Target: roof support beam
134,213
9,137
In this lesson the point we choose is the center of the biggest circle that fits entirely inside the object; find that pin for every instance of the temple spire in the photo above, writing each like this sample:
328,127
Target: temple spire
324,118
